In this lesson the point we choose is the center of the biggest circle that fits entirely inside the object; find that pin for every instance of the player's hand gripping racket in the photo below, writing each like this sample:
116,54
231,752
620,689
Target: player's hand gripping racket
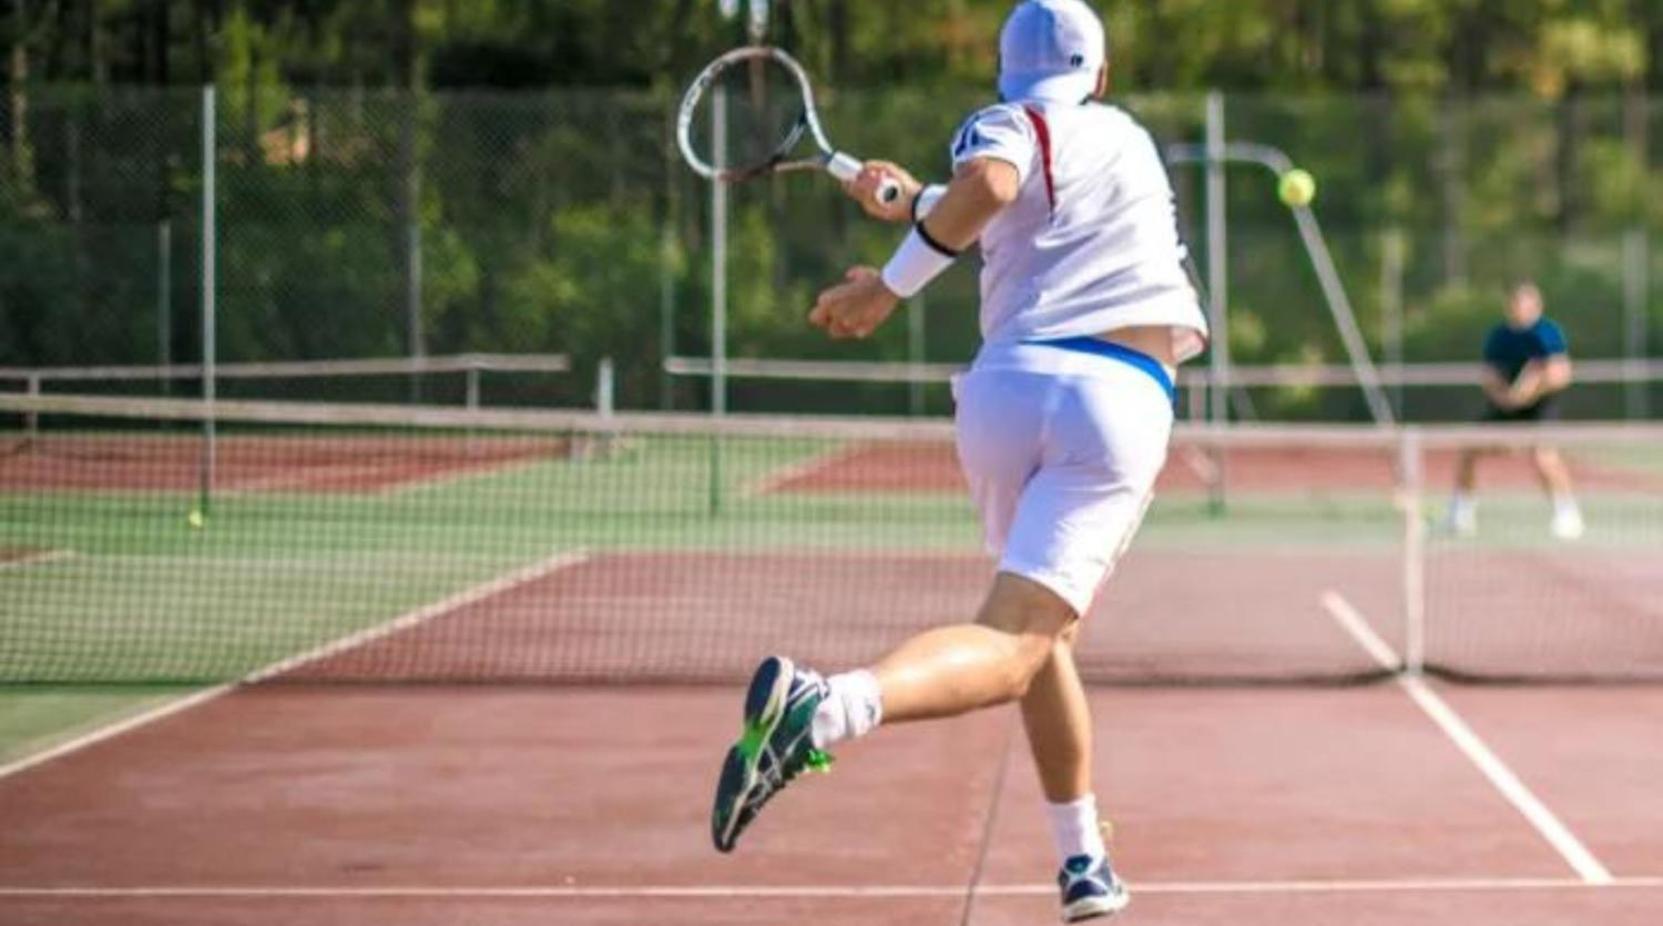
745,115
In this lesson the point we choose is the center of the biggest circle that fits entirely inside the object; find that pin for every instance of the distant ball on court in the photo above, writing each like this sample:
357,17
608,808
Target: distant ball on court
1297,187
194,519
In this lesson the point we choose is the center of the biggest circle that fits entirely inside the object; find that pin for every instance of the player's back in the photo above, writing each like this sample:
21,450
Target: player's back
1091,244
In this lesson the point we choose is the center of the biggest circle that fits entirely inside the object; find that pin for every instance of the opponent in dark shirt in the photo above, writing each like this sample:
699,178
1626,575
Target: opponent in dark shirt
1511,351
1526,367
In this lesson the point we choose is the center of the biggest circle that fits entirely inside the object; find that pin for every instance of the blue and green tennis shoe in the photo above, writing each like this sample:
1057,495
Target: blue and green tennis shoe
773,749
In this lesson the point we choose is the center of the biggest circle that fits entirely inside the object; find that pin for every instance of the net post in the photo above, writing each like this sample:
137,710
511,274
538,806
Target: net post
915,355
209,309
470,401
605,405
1412,495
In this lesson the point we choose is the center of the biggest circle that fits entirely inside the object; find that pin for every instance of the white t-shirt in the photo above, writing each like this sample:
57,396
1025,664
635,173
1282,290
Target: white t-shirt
1091,243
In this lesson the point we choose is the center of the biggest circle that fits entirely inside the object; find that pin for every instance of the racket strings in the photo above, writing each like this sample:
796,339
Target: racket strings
750,117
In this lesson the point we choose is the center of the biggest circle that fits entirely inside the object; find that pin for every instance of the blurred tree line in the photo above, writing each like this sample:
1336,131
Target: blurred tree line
1551,48
504,169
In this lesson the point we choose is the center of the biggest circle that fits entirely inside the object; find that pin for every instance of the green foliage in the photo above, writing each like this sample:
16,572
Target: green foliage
1501,139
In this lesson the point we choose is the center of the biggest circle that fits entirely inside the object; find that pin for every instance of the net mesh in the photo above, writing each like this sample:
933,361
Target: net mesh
365,543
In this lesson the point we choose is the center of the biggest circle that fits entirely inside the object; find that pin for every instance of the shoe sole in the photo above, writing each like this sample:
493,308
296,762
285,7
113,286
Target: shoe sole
1096,907
764,708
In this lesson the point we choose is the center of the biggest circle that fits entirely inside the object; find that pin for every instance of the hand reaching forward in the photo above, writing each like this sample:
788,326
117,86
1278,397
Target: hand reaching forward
854,308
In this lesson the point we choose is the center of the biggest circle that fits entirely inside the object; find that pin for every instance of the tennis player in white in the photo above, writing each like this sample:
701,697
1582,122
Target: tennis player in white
1063,422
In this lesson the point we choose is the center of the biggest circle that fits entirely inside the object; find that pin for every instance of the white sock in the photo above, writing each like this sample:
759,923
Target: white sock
1075,828
1462,505
853,709
1565,504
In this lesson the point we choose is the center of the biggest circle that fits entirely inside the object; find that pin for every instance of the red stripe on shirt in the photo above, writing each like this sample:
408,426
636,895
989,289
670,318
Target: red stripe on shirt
1042,132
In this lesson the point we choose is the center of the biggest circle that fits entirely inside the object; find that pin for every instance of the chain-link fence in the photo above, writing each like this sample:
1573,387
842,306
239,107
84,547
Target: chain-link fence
375,224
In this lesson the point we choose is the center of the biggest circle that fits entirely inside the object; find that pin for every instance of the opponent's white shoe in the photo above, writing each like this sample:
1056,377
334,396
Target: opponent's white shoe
1463,519
1567,524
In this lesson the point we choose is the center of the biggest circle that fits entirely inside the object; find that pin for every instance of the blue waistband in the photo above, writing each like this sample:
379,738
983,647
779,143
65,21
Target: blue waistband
1102,348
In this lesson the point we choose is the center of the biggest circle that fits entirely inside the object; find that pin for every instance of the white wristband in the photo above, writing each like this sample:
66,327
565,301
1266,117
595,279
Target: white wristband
926,200
915,263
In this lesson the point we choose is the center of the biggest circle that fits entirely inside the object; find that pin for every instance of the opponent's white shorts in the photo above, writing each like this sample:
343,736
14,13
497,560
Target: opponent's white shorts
1062,463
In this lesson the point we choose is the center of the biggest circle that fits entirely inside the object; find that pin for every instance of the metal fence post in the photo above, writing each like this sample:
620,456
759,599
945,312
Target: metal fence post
718,299
1636,295
1218,285
209,309
164,300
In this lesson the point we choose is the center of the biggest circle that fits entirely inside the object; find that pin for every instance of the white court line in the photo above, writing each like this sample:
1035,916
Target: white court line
779,476
648,891
1551,828
404,621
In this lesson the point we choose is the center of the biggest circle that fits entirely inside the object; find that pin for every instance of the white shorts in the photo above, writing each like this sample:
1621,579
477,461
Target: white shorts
1062,465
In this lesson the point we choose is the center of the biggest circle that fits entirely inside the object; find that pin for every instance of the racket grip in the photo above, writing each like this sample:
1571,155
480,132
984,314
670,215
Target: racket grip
847,168
843,167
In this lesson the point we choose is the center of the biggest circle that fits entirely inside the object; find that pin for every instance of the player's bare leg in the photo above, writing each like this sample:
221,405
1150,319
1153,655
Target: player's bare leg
956,669
1463,505
1020,648
1555,477
792,714
1058,722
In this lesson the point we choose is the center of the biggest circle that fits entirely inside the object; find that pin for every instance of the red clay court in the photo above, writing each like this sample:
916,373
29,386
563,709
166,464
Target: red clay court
1391,802
126,463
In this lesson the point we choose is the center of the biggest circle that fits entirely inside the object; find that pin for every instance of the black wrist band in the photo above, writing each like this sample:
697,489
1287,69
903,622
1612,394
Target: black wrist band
938,247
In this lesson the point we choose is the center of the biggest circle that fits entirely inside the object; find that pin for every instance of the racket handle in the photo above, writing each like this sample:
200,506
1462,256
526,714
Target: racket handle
843,167
847,168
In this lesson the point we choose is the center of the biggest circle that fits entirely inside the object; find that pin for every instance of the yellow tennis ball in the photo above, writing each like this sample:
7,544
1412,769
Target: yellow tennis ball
1297,187
194,519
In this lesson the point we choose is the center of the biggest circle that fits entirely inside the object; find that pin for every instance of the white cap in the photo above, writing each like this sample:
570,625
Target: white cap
1050,50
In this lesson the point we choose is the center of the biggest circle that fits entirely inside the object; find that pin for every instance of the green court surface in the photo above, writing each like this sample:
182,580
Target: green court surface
118,586
33,719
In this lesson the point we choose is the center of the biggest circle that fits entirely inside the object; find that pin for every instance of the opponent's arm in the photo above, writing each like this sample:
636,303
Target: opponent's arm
1495,387
1539,379
980,188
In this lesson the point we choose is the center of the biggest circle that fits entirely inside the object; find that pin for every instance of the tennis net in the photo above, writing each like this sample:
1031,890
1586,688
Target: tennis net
397,543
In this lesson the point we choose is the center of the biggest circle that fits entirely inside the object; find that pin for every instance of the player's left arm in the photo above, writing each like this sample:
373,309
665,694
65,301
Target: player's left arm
980,188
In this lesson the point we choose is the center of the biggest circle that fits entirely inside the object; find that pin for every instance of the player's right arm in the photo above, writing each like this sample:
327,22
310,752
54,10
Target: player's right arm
1493,380
1495,388
979,189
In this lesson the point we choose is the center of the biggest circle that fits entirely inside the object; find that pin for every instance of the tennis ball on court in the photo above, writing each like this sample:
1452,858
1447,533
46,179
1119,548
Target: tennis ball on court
1297,187
194,519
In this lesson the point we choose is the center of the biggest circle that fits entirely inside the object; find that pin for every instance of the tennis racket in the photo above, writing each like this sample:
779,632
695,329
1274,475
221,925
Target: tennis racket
746,115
